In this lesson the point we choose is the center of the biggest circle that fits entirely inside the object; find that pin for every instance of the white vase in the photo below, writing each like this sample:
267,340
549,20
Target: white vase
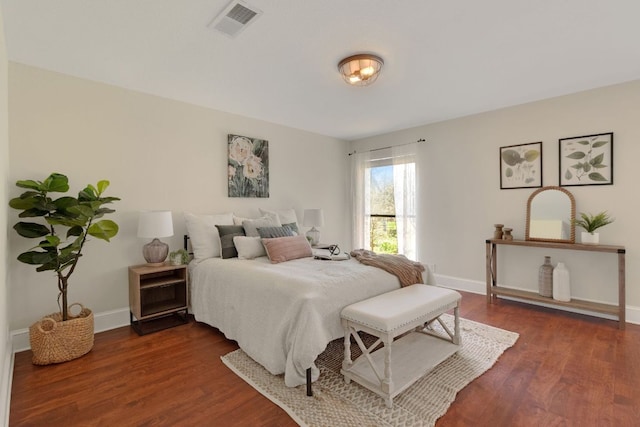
590,238
561,283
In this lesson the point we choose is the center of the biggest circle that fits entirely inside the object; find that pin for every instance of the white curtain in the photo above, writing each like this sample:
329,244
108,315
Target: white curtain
361,198
405,195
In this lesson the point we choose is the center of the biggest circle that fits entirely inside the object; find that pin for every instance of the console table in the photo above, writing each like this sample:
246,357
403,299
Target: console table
493,290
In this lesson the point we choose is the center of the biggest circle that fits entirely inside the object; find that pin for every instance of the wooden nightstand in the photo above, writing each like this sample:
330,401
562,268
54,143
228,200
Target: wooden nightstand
158,297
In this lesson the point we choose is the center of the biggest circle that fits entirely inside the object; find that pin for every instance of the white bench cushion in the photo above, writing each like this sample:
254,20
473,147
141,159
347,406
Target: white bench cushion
393,310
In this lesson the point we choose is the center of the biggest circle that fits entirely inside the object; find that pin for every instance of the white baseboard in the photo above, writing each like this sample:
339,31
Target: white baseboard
102,322
477,287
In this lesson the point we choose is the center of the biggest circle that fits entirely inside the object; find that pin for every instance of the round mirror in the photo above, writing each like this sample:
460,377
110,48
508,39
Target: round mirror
550,215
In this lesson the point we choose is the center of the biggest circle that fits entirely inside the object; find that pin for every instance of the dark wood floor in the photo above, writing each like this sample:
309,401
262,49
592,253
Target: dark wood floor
565,370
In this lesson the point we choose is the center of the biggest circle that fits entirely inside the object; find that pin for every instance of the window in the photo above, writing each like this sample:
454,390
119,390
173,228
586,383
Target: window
384,201
382,213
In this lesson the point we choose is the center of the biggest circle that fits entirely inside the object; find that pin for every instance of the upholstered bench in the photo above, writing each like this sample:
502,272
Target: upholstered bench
410,312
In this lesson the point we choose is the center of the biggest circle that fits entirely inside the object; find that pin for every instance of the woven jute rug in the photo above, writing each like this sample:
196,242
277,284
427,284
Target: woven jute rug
336,403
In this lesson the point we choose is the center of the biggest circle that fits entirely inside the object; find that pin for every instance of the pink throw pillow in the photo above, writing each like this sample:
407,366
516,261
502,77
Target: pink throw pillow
281,249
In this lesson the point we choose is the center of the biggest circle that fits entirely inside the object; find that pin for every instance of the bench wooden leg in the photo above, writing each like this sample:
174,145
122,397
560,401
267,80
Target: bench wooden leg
346,362
456,333
387,382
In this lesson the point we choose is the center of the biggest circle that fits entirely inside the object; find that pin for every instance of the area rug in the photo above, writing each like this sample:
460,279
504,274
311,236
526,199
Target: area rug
336,403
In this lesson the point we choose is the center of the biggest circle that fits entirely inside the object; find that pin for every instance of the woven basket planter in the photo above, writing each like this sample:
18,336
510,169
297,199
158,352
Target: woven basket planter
55,341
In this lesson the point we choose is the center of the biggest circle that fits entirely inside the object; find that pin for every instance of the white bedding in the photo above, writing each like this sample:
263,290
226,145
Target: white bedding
282,315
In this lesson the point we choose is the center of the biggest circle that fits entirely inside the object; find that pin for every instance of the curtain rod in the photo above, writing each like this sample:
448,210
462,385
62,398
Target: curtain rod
391,146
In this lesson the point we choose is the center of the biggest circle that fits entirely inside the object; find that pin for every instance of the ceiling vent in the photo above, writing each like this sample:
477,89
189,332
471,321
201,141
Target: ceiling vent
235,18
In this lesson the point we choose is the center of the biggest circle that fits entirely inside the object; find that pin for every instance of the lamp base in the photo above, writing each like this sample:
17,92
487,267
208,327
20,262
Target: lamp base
155,252
313,236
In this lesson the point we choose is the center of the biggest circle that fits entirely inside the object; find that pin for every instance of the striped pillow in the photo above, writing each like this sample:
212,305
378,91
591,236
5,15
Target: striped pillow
269,232
281,249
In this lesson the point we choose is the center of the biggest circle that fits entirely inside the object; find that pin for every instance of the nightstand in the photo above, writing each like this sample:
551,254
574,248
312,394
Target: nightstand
158,297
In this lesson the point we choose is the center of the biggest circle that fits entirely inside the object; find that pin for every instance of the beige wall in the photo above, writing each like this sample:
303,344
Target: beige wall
5,344
158,154
461,196
162,154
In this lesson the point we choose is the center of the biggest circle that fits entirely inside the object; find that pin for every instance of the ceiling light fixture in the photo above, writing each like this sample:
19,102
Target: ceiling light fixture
360,70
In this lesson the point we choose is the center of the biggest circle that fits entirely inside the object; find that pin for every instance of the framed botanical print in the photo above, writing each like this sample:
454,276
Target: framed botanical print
521,166
248,166
586,160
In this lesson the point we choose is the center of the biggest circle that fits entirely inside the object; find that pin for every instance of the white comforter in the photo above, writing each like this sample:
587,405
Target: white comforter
282,315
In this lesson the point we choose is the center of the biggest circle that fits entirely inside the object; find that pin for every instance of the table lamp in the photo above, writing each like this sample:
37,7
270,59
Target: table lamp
152,225
313,218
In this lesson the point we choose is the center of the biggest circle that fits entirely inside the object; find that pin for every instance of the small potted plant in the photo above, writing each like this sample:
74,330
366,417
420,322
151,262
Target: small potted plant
591,223
179,257
62,227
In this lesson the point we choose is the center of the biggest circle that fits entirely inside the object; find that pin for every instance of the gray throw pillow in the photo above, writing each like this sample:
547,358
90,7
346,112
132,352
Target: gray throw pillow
293,226
227,233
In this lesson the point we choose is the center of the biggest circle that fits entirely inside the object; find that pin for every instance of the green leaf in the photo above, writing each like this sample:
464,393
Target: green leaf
587,167
576,155
33,213
102,211
531,155
568,175
508,173
56,182
64,203
511,157
596,176
599,144
76,230
597,159
109,199
22,203
82,210
29,183
88,194
102,186
577,166
104,229
37,258
50,242
583,142
31,230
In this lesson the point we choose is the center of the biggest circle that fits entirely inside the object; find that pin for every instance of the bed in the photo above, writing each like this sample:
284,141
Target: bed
282,315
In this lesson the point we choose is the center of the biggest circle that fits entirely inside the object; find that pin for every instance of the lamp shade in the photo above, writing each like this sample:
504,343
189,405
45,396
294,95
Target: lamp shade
152,224
313,218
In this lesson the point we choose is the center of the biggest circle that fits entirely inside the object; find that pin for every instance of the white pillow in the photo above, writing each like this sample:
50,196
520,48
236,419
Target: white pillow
251,225
205,240
249,247
285,216
237,220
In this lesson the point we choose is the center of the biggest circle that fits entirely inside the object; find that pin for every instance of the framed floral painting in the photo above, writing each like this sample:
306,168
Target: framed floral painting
586,160
248,166
521,166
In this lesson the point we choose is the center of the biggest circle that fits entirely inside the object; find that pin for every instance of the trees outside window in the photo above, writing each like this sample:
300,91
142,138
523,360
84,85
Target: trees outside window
383,230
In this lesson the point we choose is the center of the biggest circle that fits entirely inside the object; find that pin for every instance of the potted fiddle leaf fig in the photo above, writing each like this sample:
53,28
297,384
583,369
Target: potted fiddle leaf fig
62,226
591,223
